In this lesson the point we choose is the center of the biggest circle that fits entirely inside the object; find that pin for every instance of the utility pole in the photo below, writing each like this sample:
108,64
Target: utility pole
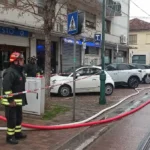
102,99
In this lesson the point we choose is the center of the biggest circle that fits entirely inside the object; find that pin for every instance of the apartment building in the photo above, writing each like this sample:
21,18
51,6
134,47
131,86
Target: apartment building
139,38
22,32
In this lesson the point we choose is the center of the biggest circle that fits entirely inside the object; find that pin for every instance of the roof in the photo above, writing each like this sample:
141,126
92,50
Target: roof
137,25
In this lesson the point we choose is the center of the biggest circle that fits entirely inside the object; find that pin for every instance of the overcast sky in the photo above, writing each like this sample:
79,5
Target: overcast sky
135,11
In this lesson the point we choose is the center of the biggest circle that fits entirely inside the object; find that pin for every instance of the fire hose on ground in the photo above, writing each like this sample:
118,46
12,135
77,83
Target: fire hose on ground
85,123
56,127
70,125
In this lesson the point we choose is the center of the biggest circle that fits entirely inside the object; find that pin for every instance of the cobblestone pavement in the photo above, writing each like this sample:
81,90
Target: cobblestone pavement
86,106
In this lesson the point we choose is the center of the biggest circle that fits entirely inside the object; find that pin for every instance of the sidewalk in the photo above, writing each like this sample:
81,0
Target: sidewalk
86,106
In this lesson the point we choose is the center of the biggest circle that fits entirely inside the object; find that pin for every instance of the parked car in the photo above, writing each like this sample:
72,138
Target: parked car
87,80
123,73
145,72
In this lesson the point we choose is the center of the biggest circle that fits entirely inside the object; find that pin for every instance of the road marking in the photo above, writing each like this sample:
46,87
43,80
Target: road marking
90,140
133,106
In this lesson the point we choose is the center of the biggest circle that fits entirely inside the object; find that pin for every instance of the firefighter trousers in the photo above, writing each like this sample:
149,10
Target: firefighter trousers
14,120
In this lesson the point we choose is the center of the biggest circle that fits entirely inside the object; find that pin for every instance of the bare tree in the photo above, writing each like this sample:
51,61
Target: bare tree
49,18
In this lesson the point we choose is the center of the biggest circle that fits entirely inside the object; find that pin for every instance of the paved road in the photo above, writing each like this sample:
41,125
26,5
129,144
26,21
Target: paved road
127,134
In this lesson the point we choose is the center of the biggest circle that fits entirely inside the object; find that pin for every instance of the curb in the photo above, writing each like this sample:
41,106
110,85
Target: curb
86,137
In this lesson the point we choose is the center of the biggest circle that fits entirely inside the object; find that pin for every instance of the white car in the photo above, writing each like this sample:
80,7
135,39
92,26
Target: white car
123,73
87,80
145,72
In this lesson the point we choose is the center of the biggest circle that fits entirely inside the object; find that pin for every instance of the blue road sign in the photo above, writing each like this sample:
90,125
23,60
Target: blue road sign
72,23
97,37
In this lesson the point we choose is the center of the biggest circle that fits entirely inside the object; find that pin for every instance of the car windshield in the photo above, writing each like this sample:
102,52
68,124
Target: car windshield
69,71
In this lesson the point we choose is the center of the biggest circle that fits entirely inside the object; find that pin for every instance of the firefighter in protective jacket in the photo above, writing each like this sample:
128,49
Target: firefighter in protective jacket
14,82
32,69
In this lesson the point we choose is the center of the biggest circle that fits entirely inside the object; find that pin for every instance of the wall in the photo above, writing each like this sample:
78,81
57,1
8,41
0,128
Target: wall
143,45
120,24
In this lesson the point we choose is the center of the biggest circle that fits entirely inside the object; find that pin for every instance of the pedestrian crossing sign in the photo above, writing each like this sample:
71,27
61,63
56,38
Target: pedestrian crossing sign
72,23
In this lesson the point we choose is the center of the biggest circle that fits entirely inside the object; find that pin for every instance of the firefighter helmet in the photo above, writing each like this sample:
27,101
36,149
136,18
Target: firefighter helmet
15,56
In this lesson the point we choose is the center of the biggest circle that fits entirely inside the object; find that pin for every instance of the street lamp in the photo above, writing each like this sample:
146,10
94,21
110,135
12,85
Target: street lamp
102,99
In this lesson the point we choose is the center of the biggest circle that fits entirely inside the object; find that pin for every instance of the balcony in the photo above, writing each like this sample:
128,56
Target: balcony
113,8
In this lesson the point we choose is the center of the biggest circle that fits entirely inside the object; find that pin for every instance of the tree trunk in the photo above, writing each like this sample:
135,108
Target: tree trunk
49,15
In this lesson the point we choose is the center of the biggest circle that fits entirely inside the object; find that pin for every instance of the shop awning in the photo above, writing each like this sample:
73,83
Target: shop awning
79,42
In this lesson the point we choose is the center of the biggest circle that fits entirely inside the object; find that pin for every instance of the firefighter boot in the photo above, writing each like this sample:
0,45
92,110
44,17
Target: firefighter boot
20,136
11,140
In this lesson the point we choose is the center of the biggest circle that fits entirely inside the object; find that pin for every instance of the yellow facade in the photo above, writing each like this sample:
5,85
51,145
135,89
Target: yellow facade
142,44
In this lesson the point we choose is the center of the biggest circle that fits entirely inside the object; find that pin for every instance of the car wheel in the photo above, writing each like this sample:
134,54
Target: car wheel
133,82
108,89
65,91
147,79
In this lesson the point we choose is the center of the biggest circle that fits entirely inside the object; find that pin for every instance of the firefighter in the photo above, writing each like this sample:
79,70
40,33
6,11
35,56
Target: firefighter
14,82
32,69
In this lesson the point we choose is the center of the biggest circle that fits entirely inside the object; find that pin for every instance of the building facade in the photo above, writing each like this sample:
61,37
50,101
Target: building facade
139,39
116,28
23,33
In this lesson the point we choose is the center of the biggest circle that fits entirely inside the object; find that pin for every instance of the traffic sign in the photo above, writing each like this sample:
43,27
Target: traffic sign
72,23
97,37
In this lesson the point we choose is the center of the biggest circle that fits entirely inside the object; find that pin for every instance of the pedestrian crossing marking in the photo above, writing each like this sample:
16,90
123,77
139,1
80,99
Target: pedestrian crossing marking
72,25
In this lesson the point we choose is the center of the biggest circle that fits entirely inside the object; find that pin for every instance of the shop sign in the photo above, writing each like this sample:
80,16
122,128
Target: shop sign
13,31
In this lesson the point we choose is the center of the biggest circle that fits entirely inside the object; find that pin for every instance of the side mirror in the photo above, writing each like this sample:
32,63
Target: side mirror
77,75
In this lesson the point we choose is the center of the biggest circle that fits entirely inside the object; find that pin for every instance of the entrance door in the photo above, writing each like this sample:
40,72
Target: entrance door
5,51
41,55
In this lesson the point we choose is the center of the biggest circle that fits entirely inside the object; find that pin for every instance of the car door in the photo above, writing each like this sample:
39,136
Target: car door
123,72
85,82
95,77
112,71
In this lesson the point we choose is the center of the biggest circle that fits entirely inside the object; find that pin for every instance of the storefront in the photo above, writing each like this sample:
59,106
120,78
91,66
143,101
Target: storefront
12,39
5,51
92,55
67,54
40,49
108,56
116,53
120,57
88,56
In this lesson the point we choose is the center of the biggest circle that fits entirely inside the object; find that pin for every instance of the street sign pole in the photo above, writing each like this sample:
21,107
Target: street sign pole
102,99
74,26
74,78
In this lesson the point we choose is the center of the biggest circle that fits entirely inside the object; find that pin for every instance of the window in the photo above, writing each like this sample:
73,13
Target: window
133,39
94,71
132,67
10,2
123,67
140,59
40,10
147,67
2,1
107,26
92,50
111,67
83,72
40,4
116,6
107,56
90,21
